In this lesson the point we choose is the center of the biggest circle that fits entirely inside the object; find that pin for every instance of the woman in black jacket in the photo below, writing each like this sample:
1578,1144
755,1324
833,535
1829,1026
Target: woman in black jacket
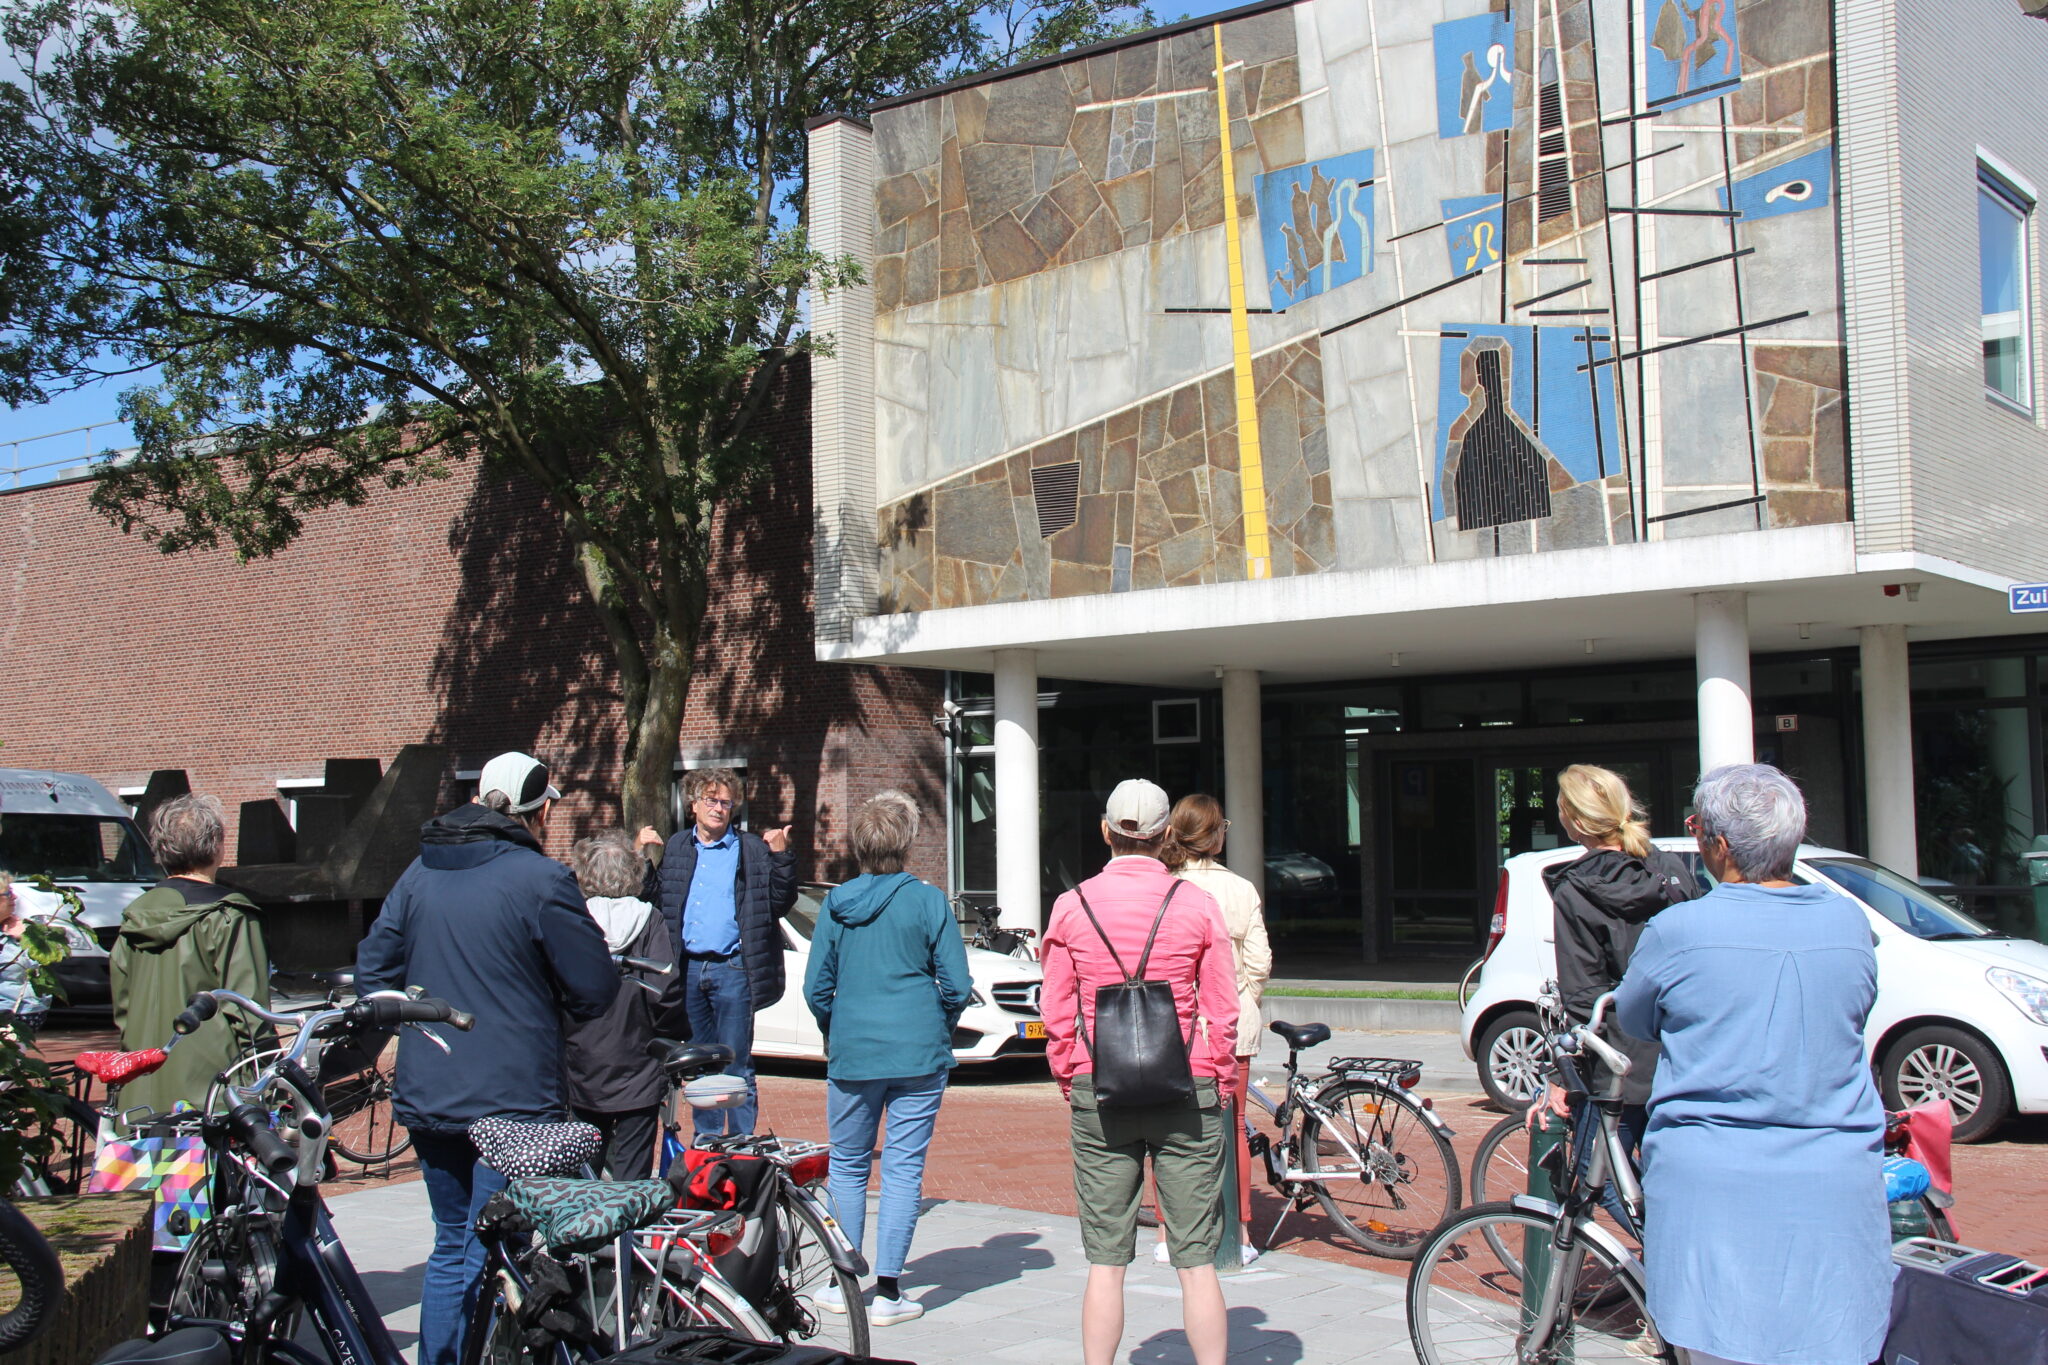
612,1081
1602,900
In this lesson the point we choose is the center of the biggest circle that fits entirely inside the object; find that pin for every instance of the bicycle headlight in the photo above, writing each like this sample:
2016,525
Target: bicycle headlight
2030,993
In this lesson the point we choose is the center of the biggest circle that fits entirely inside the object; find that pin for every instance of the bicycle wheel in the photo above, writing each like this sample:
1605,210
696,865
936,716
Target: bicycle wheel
31,1279
1465,1307
226,1273
365,1130
1396,1176
807,1271
697,1298
493,1336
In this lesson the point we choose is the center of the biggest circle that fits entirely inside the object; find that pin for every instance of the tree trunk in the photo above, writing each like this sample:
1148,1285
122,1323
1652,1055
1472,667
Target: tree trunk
653,744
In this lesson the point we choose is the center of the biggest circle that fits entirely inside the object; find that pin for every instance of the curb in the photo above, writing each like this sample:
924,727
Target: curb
1364,1014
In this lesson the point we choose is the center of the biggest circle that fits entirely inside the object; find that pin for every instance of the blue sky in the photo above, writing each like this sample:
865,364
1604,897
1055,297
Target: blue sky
100,402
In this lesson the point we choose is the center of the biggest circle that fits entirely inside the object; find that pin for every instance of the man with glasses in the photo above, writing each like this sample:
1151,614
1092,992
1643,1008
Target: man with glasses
722,890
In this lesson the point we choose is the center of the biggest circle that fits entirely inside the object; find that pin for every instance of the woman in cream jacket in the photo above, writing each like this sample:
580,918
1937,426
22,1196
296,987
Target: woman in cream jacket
1194,852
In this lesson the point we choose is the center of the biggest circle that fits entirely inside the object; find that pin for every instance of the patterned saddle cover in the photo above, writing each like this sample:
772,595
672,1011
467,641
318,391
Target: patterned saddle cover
517,1147
584,1215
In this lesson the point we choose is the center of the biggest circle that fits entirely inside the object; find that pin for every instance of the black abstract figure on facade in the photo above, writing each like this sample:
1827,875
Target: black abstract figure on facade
1502,474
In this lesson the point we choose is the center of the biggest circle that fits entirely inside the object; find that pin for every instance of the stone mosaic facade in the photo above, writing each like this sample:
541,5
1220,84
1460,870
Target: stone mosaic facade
1068,163
1569,277
1157,502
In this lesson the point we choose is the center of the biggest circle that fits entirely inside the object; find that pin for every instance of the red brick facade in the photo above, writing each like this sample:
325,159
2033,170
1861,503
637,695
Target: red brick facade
449,613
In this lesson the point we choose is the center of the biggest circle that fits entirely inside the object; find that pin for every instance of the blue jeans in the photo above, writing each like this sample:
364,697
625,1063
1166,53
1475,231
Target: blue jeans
721,1002
458,1186
853,1112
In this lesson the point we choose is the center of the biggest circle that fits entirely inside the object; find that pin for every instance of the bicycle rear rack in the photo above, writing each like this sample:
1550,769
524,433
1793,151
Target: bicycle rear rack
1387,1069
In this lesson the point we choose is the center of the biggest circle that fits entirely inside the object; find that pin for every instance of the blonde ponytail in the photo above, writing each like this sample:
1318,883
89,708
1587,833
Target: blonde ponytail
1598,802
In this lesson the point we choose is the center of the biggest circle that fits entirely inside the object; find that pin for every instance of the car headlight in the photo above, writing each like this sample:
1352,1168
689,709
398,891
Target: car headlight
2030,993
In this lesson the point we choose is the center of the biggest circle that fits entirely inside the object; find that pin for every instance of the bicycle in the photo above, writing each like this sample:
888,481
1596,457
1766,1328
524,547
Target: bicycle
38,1279
1377,1159
1526,1280
991,934
807,1285
552,1286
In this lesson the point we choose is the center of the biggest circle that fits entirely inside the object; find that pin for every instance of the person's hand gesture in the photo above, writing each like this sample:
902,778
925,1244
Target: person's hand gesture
649,836
777,839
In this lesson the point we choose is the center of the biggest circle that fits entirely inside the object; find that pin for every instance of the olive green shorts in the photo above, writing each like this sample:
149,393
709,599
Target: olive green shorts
1185,1143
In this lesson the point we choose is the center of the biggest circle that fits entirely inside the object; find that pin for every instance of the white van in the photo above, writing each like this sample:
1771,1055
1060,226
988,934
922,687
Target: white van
71,829
1961,1012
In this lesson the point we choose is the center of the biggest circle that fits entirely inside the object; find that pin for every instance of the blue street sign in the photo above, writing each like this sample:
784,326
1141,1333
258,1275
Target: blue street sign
2029,596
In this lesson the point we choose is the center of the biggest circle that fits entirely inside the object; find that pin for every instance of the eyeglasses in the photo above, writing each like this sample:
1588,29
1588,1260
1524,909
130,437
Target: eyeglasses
715,802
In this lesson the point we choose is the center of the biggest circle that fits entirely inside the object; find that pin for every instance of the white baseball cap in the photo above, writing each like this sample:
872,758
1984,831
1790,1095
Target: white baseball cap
1137,809
522,777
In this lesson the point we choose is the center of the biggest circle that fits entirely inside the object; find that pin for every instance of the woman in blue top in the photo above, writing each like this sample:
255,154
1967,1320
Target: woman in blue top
887,982
1767,1240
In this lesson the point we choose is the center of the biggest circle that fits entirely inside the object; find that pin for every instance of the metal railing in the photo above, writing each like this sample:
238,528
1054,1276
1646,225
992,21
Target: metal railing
58,468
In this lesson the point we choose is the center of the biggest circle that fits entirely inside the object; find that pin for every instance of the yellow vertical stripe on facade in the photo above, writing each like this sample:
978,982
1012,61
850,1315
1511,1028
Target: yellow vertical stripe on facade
1258,551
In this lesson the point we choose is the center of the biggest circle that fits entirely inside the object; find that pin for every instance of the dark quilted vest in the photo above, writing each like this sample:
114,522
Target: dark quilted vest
753,898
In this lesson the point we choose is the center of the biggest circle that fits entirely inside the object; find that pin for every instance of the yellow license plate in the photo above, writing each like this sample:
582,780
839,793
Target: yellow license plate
1034,1031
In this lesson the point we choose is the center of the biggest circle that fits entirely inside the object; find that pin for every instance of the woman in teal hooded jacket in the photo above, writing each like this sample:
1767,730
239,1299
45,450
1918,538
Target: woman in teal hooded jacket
887,981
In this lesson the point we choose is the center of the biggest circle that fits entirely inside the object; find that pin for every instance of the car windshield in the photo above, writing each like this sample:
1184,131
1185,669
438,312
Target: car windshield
1906,904
803,918
75,848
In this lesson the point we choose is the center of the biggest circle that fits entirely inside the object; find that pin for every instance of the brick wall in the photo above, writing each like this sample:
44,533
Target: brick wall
449,613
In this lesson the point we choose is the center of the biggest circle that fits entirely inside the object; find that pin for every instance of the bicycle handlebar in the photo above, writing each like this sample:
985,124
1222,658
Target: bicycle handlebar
252,1126
1600,1008
645,964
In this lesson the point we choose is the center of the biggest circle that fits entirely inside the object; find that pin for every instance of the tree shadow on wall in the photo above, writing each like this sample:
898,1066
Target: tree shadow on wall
523,663
803,723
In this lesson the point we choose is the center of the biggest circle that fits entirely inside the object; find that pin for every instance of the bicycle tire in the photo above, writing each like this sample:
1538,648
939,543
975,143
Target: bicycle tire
32,1264
807,1268
1460,1295
1407,1175
365,1130
1469,982
1500,1171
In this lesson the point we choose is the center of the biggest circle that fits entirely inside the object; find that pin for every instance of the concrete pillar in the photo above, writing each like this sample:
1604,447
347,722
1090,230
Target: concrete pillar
1244,777
1888,750
1017,851
842,223
1721,647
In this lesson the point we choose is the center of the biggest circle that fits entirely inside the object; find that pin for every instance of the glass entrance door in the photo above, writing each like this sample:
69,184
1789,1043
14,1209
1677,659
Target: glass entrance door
1524,798
1432,840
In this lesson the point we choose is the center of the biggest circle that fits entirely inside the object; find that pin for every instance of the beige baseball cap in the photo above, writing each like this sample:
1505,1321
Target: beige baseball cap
1137,809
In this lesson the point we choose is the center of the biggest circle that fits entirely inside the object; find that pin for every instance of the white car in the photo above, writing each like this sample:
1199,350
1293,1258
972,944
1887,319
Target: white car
1001,1021
1961,1012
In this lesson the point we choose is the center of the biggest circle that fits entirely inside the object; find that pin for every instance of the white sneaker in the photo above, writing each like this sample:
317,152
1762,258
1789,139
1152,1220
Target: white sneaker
1247,1253
889,1312
1161,1254
830,1299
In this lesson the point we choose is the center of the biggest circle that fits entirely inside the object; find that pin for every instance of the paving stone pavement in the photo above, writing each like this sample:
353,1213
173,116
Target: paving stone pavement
1002,1284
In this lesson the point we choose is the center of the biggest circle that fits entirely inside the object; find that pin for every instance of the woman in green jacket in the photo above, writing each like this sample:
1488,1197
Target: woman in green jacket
183,935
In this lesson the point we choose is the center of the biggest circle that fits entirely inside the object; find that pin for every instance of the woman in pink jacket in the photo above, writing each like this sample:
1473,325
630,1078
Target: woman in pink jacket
1184,1142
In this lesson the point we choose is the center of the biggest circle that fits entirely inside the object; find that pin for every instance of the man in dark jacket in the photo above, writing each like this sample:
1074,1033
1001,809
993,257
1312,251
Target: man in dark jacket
723,892
486,921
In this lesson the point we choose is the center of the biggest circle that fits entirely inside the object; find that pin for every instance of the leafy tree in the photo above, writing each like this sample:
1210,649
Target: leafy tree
363,238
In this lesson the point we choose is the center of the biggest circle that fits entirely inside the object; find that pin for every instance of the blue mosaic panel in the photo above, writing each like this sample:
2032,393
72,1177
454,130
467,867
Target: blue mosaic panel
1474,233
1691,50
1552,400
1315,220
1805,182
1475,73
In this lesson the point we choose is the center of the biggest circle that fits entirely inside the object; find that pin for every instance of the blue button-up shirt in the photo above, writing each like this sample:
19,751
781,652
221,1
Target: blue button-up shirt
711,920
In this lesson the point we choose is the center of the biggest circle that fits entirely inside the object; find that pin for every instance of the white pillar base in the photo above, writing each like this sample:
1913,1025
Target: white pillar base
1888,750
1016,745
1244,777
1721,644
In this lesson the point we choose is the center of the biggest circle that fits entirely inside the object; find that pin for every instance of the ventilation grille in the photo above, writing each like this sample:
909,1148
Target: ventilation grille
1057,490
1553,154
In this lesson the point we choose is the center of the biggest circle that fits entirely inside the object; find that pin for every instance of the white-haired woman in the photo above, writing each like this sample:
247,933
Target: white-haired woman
1767,1239
613,1082
887,981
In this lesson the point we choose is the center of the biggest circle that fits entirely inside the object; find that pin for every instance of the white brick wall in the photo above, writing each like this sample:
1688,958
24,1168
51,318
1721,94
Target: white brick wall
1938,467
842,223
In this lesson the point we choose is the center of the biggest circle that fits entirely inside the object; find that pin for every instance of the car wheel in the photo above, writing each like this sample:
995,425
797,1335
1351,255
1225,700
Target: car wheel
1513,1060
1939,1063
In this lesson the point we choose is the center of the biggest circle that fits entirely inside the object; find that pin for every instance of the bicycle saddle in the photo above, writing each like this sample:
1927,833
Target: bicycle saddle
687,1061
186,1346
116,1067
521,1147
584,1215
315,983
1300,1036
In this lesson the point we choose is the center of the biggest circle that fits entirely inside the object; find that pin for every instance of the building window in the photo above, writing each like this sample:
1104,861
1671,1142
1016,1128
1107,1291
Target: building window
2003,216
